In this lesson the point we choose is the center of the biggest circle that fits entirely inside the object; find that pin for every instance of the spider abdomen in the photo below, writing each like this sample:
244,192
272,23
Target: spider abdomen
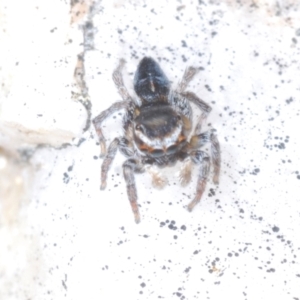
150,82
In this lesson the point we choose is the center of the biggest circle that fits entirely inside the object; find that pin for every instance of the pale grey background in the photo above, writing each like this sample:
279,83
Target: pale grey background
241,241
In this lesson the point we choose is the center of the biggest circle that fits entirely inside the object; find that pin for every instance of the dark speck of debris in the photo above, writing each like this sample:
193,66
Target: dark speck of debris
143,284
171,226
208,87
211,192
81,141
64,285
66,178
89,25
255,171
183,43
180,7
275,229
271,270
183,227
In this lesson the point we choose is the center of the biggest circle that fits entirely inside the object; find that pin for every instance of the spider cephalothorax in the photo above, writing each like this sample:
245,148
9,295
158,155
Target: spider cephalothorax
156,131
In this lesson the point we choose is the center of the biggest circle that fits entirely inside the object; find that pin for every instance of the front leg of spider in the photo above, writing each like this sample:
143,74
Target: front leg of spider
188,75
118,80
181,98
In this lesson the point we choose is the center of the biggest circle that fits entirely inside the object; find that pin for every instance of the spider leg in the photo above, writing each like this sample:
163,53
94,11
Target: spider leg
198,127
118,80
197,141
190,96
129,167
181,102
182,106
202,159
126,147
123,145
111,153
188,75
97,121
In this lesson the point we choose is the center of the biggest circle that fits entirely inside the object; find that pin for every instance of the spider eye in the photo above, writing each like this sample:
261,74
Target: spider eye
178,117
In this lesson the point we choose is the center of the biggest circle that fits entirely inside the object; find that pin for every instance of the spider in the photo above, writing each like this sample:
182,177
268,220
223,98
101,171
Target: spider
157,126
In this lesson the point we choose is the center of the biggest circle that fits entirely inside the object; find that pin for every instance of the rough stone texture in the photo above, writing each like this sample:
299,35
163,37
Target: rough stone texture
39,50
63,238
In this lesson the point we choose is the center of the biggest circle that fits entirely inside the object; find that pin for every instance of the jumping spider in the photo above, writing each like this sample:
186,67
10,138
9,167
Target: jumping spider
156,131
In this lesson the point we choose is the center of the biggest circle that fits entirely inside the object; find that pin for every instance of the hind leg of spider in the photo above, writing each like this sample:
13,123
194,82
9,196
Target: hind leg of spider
118,80
188,75
198,140
97,121
129,167
202,159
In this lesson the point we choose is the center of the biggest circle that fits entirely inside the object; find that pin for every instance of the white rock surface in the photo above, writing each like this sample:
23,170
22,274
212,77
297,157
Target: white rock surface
39,51
69,240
